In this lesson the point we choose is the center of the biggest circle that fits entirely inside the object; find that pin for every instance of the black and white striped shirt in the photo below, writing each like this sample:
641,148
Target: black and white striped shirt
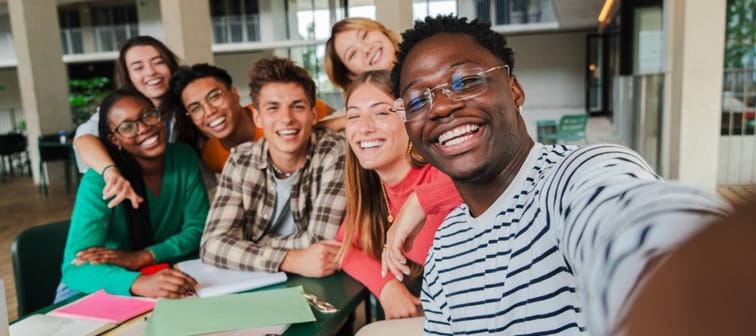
560,251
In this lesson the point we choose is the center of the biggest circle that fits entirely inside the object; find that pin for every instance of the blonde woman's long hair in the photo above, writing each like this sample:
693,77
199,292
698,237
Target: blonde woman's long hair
334,66
366,210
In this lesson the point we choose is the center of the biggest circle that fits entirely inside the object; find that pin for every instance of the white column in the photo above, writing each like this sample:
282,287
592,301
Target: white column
394,14
693,87
148,14
42,77
188,30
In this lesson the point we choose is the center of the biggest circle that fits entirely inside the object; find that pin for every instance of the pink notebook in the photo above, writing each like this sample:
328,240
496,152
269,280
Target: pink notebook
106,307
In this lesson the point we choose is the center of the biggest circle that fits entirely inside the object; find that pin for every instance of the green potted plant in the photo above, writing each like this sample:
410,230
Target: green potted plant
21,126
85,95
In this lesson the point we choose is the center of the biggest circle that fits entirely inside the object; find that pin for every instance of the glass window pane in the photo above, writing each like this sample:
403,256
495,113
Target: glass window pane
219,30
502,12
76,41
253,27
310,58
64,42
363,10
235,26
311,19
483,10
423,8
121,35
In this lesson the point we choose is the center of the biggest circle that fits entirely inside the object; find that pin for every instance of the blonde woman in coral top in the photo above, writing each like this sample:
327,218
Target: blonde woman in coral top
382,173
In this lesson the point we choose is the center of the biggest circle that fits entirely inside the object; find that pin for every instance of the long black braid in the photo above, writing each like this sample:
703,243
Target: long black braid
140,228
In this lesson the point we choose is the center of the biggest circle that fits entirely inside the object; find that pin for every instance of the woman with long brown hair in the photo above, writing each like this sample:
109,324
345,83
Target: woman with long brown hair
144,64
382,173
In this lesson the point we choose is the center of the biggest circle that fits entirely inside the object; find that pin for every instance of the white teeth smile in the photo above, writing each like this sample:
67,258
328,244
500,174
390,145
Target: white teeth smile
376,57
370,144
454,136
287,132
154,81
151,140
216,122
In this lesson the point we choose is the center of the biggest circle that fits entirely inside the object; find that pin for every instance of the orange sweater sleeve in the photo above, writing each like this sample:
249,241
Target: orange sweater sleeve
214,155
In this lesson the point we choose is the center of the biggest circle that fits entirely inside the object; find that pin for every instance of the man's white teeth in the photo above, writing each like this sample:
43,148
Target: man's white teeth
370,144
457,141
149,141
216,122
445,138
287,132
154,81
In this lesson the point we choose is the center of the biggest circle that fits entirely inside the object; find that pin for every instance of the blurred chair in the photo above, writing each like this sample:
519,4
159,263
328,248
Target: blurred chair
571,128
12,152
37,255
51,149
544,127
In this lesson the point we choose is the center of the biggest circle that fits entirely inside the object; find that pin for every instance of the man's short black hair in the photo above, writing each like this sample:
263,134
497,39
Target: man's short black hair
480,32
185,75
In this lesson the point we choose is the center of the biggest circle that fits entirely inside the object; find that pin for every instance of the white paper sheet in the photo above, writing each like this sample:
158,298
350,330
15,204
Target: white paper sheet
216,281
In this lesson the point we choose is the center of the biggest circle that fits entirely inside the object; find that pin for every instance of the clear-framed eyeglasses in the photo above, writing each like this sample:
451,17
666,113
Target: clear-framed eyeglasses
130,128
465,82
215,98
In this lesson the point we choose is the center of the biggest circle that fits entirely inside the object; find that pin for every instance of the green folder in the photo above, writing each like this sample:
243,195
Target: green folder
191,316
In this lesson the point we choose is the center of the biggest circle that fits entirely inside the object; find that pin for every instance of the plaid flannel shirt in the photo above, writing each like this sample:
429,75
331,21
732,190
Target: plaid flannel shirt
236,234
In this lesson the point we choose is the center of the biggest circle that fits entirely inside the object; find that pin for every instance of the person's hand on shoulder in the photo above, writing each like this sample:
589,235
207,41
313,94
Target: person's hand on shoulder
117,188
168,283
316,261
397,301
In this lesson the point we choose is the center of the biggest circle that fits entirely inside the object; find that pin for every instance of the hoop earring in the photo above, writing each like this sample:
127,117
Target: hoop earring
409,150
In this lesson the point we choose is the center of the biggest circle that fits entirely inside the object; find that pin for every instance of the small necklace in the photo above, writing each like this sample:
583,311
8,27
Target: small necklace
280,173
389,218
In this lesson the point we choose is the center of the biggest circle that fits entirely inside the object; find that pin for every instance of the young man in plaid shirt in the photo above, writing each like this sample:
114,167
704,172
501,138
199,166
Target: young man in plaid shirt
280,199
